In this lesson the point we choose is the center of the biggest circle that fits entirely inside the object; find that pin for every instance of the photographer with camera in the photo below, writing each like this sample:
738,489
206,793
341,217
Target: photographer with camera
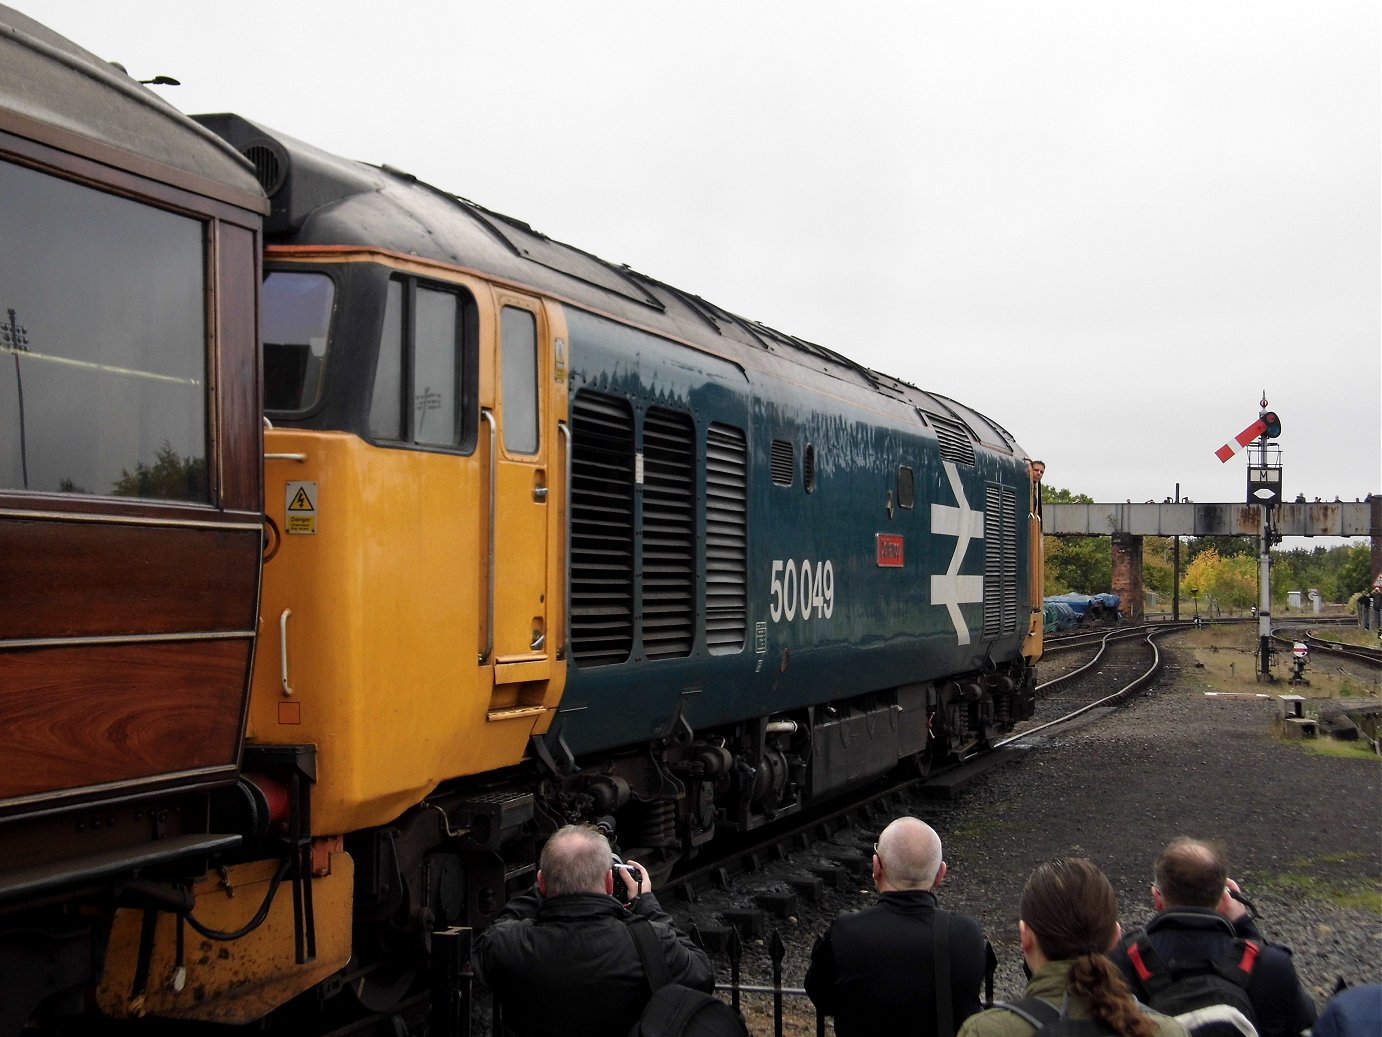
560,958
1202,950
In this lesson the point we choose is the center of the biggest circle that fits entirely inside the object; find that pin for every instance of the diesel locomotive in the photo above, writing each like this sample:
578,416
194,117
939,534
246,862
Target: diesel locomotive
131,500
550,541
543,540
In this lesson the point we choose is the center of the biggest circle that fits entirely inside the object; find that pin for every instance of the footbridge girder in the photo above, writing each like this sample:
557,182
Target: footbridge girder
1320,518
1127,523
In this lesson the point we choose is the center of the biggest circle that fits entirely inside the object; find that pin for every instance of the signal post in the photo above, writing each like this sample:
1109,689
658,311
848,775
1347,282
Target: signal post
1264,490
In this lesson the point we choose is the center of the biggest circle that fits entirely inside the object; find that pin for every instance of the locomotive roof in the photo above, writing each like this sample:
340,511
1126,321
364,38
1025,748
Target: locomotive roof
320,198
54,91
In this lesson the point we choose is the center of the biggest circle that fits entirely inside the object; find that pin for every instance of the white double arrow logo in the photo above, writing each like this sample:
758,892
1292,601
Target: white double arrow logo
964,524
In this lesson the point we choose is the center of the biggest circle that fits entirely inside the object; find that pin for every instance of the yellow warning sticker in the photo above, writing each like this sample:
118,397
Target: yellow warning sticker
300,508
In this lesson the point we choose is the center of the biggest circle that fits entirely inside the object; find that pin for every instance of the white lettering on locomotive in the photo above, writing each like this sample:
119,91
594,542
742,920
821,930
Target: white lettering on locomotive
808,589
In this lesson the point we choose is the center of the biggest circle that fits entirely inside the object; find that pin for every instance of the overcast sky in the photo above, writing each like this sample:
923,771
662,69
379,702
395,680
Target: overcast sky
1109,226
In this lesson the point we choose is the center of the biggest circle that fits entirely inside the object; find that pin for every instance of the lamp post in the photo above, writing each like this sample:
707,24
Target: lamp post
15,339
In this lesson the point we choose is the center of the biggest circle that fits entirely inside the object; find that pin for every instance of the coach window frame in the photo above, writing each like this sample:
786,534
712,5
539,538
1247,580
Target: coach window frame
167,200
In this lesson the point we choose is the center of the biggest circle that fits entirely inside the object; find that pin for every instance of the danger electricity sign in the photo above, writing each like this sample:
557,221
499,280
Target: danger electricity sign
300,508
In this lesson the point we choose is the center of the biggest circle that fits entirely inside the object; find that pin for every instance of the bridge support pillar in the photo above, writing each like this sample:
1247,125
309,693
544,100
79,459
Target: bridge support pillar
1127,574
1375,522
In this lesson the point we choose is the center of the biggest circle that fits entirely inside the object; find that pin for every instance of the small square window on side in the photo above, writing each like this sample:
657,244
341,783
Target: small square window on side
906,487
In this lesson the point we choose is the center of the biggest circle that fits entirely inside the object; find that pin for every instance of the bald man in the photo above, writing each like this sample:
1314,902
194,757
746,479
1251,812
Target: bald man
875,970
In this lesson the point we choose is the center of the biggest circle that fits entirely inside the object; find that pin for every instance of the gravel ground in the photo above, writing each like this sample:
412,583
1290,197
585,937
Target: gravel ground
1303,830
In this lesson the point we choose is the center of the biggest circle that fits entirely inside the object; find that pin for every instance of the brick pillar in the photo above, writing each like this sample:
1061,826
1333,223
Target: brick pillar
1375,516
1127,574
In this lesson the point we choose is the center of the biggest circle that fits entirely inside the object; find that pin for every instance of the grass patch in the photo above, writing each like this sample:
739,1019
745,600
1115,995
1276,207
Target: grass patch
1349,893
1226,658
981,830
1361,749
1350,857
1351,636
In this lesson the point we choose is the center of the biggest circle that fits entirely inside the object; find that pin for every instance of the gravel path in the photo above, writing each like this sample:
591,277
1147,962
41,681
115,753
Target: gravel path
1303,830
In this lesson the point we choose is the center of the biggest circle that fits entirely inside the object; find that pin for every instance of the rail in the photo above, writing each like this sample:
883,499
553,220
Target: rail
1140,681
1343,650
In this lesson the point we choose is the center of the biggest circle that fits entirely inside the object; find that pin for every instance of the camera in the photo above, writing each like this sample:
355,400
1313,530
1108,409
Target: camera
621,892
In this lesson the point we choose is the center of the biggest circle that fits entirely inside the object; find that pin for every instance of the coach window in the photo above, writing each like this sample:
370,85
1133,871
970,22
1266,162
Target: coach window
103,343
519,347
906,487
419,392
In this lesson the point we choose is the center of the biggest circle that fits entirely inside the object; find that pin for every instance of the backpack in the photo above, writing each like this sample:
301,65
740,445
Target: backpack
678,1011
1050,1021
675,1010
1209,997
1216,1020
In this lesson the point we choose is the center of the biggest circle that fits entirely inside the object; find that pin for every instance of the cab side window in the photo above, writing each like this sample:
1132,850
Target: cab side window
421,391
436,372
519,347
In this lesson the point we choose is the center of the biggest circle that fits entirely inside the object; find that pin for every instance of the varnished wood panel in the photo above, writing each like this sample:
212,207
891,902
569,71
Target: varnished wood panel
82,579
81,716
241,423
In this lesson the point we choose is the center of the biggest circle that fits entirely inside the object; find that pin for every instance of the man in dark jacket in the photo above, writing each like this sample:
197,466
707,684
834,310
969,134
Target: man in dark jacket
876,970
560,958
1200,917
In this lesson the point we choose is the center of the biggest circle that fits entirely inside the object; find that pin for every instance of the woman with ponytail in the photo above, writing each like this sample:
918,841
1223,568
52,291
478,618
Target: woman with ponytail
1069,918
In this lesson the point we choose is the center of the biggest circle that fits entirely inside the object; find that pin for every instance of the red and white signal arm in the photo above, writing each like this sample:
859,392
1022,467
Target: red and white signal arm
1268,424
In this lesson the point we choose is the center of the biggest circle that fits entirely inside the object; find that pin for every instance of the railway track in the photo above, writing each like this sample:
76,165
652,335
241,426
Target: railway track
775,884
1122,660
1342,651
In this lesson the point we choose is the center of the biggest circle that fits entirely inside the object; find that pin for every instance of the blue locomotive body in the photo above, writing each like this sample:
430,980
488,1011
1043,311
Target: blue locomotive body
886,546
